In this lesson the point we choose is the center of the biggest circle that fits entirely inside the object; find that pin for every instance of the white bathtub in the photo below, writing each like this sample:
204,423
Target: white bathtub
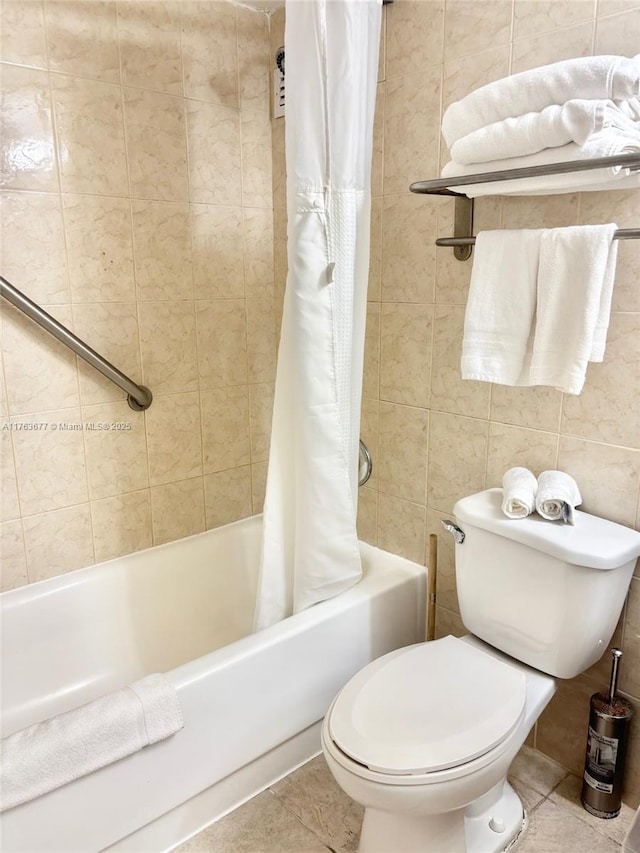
251,702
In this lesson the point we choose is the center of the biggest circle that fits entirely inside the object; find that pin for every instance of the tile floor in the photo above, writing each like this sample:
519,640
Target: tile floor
306,812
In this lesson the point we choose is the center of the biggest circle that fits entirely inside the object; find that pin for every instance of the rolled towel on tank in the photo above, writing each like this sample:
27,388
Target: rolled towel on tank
519,488
558,496
47,755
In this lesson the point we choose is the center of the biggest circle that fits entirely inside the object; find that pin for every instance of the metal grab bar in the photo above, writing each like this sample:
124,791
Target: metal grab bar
620,234
368,464
138,397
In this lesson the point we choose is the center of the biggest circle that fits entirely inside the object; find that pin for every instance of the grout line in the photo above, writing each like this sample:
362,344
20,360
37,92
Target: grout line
565,806
178,96
241,134
511,35
557,452
193,299
135,270
20,517
157,199
60,197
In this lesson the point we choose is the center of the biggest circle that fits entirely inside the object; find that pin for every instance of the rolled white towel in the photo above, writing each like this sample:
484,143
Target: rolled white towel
519,488
558,495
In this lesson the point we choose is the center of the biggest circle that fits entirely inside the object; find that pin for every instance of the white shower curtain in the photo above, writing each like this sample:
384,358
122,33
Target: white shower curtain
310,548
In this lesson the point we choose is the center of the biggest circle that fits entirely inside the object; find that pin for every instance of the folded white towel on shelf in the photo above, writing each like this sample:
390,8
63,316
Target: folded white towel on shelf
573,306
609,142
630,182
556,125
519,488
558,495
501,305
47,755
592,77
630,108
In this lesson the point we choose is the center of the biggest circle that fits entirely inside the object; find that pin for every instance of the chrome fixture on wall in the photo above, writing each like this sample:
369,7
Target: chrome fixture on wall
365,468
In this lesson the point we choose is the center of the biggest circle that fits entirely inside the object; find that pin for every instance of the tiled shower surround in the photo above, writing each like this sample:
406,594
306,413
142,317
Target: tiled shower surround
137,209
150,141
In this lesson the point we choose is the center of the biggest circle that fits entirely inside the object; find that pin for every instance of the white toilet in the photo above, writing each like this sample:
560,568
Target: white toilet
424,736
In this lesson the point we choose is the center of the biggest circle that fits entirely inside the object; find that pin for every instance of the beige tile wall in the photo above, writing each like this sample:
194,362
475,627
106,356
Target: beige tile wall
436,438
137,209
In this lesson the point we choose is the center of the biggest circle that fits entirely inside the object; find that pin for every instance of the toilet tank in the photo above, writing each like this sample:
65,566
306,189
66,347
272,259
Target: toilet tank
548,594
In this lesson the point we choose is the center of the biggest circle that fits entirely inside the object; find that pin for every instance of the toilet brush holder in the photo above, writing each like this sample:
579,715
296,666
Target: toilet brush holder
607,739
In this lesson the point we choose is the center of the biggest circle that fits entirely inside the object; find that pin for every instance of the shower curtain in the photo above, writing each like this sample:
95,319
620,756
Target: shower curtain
310,547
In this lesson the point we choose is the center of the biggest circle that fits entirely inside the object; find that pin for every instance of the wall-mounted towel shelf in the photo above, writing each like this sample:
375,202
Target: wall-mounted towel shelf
462,240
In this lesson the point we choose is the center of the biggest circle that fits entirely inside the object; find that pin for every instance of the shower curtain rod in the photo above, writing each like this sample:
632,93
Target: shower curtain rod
138,397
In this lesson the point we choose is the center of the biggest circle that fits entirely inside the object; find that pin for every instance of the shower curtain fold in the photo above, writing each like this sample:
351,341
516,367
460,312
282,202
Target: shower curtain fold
310,548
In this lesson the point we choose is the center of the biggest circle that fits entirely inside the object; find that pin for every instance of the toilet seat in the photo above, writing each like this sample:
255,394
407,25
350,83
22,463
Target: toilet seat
427,708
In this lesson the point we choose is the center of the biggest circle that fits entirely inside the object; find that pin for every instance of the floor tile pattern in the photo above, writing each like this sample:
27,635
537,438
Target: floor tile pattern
306,812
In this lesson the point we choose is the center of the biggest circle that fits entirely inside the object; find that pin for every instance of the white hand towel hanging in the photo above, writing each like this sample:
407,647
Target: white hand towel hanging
573,306
563,279
501,305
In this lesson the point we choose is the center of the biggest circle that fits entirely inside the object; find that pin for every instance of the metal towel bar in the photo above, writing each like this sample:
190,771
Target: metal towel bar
462,240
138,397
620,234
441,186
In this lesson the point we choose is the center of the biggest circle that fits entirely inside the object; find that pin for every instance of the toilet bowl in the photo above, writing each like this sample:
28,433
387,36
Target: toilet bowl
423,737
430,766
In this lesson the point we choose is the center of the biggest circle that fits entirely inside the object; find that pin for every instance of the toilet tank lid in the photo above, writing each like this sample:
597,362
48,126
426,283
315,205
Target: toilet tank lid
594,542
